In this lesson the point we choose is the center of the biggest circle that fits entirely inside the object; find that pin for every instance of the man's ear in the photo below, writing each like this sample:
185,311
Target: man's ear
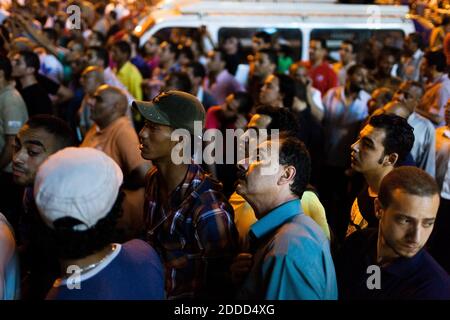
391,159
378,208
288,175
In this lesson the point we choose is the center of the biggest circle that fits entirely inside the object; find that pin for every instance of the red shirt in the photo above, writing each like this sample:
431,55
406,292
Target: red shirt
323,77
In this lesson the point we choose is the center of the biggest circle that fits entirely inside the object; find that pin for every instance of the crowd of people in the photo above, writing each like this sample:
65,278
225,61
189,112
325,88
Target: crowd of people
94,205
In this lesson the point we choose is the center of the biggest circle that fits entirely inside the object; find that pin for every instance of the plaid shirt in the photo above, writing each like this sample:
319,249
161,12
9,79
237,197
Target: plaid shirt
194,233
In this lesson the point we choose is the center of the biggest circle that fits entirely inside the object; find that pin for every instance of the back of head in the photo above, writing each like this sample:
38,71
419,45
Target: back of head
198,70
123,47
410,180
287,89
62,132
266,37
31,59
178,81
282,119
399,134
245,102
75,191
101,54
436,59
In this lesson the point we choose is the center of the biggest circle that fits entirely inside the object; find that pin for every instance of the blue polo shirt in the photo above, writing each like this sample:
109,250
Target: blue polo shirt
291,260
419,277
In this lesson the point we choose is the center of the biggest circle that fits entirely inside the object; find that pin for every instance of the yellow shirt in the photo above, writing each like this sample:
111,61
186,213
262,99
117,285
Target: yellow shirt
244,216
131,78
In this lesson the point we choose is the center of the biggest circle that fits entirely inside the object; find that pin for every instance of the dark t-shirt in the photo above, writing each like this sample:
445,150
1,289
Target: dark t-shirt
136,273
36,99
416,278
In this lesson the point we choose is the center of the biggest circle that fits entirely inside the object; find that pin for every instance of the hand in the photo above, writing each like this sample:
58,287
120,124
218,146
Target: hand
240,267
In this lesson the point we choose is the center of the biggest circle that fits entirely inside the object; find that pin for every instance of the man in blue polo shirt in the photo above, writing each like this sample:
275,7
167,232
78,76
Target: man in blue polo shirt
289,254
390,262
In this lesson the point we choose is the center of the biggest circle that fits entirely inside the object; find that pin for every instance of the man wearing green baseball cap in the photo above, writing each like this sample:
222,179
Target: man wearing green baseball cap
187,218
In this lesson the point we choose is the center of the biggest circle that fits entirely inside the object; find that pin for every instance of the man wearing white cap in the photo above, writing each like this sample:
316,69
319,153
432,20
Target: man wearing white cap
78,194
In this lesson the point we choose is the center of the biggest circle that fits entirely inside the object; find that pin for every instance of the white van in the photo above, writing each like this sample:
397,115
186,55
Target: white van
295,21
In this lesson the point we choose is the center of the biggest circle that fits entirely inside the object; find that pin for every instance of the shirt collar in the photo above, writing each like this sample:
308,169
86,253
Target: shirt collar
418,54
275,218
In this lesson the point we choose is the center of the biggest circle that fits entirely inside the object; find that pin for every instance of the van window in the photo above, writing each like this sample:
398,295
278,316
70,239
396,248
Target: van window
334,37
292,37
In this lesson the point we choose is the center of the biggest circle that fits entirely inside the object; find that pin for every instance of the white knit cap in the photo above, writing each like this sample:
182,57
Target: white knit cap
82,183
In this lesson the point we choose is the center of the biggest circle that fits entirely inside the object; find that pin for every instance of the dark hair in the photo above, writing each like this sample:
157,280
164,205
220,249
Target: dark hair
102,54
62,132
187,51
417,39
100,36
272,55
287,89
198,70
293,152
282,119
51,34
70,244
354,68
123,47
445,20
437,59
351,43
409,179
323,42
182,81
399,134
5,66
266,37
31,60
245,101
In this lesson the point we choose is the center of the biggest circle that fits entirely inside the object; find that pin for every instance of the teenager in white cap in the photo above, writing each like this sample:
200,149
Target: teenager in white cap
78,194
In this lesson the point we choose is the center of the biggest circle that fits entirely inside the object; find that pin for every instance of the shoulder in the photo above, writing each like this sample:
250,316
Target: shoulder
300,236
433,281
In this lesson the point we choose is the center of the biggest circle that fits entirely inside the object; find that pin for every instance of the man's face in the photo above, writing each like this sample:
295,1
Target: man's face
358,79
258,44
231,45
346,53
259,174
408,95
31,148
299,74
386,63
151,47
368,151
270,91
165,53
19,68
406,224
89,82
262,65
425,70
316,52
102,106
410,46
156,144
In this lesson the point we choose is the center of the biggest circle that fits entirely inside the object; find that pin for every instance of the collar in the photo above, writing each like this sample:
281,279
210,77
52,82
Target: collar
418,54
441,79
275,218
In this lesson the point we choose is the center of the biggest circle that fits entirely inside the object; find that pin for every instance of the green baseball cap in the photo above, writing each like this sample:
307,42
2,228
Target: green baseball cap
173,108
